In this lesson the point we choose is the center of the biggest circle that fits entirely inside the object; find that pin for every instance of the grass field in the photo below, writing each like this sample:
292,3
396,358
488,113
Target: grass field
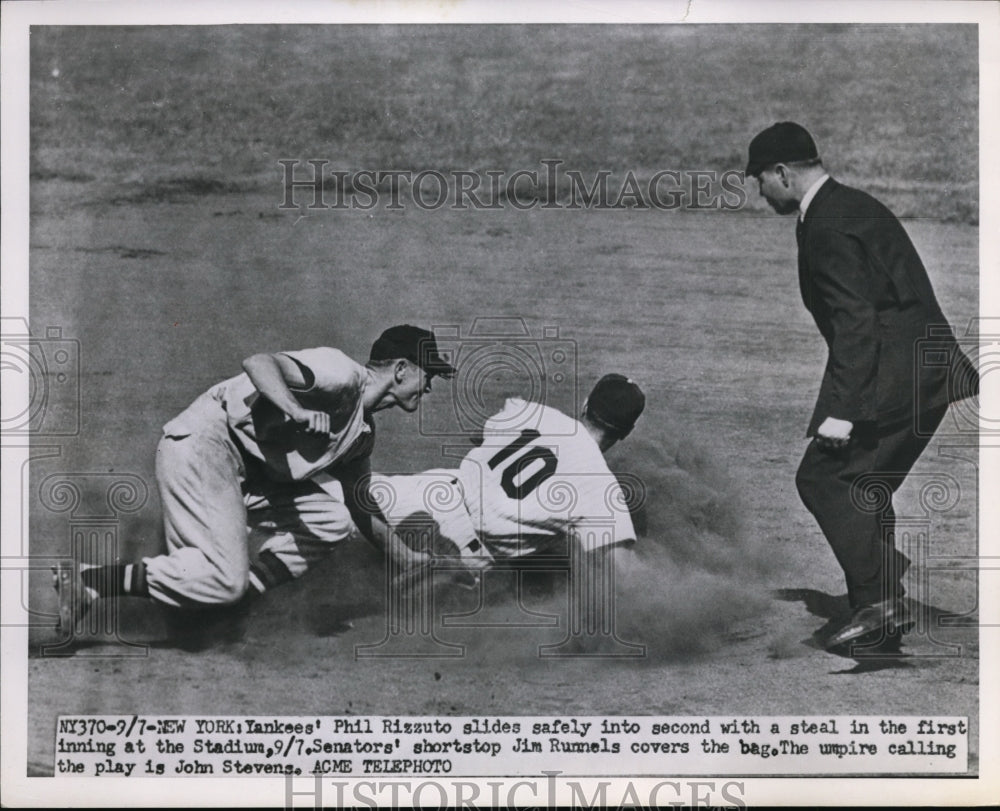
140,108
157,242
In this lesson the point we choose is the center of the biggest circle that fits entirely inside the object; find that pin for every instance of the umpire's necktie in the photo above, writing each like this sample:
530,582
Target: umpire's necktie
804,284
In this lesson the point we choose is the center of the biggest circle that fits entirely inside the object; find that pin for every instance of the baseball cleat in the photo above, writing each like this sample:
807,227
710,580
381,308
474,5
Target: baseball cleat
873,622
75,599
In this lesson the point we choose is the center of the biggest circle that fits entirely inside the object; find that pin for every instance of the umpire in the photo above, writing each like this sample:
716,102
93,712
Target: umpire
868,292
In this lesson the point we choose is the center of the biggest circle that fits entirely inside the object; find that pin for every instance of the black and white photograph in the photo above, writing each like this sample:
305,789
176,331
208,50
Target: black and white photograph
443,404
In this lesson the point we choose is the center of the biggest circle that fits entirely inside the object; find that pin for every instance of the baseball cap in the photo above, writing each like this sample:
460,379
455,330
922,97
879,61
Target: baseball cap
616,402
414,344
784,142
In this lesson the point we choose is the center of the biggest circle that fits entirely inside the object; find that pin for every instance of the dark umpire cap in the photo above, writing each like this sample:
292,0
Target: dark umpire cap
616,403
414,344
784,142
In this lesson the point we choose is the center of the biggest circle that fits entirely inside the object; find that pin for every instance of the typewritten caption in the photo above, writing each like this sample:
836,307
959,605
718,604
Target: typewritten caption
150,746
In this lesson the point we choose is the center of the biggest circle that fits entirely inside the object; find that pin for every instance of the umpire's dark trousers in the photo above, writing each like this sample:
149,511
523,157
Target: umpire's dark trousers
849,491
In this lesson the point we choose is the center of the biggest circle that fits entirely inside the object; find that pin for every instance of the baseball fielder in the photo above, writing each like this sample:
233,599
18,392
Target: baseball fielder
536,485
280,447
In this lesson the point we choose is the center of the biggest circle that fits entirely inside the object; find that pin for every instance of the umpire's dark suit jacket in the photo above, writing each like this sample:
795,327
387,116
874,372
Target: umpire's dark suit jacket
869,294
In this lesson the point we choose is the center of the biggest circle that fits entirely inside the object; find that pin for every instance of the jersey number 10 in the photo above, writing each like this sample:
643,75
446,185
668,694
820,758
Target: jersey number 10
514,484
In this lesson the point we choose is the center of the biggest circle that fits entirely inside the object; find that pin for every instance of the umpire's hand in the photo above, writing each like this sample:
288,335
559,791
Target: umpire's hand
834,433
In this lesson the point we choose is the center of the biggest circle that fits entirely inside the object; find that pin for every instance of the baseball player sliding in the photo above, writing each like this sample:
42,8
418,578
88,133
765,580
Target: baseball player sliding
536,485
282,446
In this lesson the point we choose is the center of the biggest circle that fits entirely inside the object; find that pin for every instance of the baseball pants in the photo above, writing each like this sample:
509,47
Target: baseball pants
211,517
860,528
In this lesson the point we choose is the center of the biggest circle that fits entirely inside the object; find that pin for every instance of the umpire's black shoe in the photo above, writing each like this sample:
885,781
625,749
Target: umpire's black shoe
869,623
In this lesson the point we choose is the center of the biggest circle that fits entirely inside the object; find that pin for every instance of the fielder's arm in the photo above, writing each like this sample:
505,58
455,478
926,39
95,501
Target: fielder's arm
274,376
369,519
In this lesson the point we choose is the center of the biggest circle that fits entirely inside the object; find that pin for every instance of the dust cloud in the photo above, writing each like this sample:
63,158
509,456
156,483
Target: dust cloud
692,581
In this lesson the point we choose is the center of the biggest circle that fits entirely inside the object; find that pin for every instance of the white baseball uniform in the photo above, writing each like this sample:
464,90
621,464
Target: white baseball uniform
537,476
233,461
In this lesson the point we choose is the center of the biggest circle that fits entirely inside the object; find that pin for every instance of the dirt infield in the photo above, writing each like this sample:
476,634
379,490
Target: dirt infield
701,309
168,280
